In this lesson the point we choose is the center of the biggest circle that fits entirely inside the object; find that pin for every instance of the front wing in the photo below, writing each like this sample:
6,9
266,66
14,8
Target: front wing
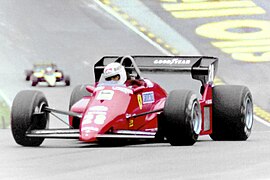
75,134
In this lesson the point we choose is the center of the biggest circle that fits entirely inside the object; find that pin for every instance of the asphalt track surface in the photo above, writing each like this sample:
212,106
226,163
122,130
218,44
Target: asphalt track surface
75,34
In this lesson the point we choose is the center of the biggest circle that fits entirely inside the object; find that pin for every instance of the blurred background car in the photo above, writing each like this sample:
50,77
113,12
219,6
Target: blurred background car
46,72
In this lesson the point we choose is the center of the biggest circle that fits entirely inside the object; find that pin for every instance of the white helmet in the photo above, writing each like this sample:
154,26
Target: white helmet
114,69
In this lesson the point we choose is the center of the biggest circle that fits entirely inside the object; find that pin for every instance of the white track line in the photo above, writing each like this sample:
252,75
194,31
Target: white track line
257,118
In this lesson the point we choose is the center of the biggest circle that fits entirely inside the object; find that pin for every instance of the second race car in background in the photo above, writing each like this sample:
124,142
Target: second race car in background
48,73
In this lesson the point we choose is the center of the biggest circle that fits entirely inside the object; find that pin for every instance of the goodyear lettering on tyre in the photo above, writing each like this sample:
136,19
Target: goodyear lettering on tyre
131,123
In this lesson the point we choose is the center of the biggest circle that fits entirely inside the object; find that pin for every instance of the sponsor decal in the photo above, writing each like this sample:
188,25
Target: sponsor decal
88,119
208,101
148,97
98,112
100,119
93,128
108,70
139,97
123,89
99,108
174,61
105,95
99,88
151,129
89,128
131,123
95,117
85,129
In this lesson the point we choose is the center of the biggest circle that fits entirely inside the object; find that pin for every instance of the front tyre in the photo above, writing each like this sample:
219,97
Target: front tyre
77,94
67,80
26,105
28,74
34,80
232,113
182,118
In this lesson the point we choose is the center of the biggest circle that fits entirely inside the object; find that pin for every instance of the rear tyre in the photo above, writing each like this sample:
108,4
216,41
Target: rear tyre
77,94
182,118
25,105
232,113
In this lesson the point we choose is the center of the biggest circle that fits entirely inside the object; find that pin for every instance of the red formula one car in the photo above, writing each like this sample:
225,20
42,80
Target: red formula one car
109,113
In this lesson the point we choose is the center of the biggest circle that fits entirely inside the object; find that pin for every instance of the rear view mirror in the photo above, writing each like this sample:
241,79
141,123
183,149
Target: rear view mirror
138,89
90,89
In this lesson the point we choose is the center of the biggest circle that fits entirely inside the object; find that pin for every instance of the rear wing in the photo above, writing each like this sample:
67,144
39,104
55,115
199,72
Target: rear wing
202,68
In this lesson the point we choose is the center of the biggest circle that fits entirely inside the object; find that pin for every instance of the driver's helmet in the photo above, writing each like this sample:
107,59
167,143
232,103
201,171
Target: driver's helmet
114,69
49,69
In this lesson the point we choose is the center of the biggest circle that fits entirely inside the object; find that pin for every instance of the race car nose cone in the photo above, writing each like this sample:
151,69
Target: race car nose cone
88,134
51,80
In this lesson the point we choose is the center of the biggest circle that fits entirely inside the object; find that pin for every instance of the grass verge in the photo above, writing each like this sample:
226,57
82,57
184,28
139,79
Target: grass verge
4,114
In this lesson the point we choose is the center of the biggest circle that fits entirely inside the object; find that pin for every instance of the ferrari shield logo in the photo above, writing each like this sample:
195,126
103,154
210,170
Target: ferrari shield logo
139,97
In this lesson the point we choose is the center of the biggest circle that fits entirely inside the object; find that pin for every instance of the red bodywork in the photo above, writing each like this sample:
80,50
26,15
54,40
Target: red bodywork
109,108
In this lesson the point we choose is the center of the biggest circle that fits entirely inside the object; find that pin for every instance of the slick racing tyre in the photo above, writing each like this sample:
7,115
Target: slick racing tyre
77,94
232,113
28,74
34,80
182,118
26,115
67,80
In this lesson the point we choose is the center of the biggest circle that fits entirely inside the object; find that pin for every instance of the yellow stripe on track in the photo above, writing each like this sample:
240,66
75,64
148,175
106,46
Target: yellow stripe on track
262,113
207,5
217,13
169,1
252,49
243,43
